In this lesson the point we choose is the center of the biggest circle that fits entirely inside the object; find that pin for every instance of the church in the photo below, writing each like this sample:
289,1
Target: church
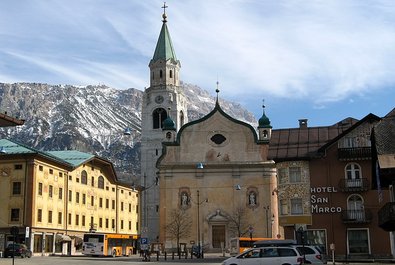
211,176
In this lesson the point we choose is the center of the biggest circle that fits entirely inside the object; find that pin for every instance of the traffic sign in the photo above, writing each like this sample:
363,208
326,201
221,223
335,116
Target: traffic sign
144,240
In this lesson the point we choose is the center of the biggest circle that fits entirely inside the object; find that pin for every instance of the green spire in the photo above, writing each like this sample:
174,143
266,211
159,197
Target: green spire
164,47
264,121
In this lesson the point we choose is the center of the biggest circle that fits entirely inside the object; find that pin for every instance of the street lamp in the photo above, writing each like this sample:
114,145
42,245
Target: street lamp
198,203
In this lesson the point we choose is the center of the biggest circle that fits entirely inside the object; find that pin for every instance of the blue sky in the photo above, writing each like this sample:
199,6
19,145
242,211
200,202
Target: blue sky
316,59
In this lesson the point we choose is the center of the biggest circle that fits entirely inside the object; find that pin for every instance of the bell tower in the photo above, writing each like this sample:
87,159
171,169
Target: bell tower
164,98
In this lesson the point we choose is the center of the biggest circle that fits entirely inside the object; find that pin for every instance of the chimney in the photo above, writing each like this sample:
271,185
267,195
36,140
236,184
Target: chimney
303,123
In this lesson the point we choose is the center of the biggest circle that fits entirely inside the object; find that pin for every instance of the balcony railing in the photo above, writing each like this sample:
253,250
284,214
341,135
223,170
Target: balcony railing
352,185
357,216
354,153
386,216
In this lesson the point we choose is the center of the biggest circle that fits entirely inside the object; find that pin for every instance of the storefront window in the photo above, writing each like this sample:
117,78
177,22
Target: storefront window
318,238
358,241
48,243
38,243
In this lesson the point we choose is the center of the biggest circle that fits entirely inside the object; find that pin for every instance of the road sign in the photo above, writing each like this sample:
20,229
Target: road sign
144,240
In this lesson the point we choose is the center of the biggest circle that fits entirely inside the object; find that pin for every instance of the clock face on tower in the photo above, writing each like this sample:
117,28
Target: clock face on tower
159,99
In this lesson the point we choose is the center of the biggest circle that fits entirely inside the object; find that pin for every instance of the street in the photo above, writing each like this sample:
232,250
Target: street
83,260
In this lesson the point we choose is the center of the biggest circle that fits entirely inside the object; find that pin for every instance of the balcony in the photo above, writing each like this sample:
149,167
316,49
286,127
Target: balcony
387,216
354,185
357,216
354,153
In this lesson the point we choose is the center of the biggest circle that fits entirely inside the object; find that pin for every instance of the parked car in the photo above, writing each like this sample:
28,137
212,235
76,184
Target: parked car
17,249
312,253
269,255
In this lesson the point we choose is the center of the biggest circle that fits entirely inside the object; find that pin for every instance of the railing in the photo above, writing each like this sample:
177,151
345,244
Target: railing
386,216
353,185
354,153
357,216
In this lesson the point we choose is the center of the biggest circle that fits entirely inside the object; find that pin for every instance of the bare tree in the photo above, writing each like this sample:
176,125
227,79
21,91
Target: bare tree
179,225
238,222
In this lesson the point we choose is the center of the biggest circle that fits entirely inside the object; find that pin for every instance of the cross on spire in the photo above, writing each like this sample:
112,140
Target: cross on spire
164,12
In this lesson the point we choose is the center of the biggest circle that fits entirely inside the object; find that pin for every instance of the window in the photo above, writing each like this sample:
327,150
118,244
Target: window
283,207
101,202
358,241
83,220
107,203
84,177
60,174
295,174
92,224
51,171
282,175
355,207
171,74
60,218
101,222
158,116
77,197
130,225
16,188
50,217
121,224
70,177
113,223
130,207
60,193
39,215
106,222
160,73
93,181
92,201
50,191
15,215
69,219
70,195
100,182
121,206
77,219
296,206
353,175
40,188
40,168
83,198
18,167
318,238
113,204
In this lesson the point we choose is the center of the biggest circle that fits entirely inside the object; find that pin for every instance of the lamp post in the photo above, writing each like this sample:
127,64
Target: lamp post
198,203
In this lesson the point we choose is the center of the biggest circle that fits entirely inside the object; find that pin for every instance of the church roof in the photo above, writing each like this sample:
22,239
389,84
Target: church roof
164,47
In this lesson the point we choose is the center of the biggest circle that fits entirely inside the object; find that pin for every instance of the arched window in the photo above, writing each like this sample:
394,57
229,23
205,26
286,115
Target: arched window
100,182
355,207
353,175
171,73
84,177
158,117
160,73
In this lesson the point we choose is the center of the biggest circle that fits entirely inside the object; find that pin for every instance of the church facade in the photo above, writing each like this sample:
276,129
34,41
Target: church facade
216,182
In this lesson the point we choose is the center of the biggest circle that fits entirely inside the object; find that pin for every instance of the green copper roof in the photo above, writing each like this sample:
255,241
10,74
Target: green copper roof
164,47
9,147
168,124
74,158
264,121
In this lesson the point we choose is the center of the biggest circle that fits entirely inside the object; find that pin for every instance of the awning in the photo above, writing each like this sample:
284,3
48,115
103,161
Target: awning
386,161
60,237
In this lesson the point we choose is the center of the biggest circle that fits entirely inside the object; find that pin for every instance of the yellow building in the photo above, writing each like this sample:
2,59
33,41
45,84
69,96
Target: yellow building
55,197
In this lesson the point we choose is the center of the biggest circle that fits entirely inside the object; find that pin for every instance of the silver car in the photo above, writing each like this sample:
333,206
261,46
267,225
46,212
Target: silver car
270,255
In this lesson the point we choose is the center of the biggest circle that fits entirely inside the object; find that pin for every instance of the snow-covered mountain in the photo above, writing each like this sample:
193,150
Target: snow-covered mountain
92,119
